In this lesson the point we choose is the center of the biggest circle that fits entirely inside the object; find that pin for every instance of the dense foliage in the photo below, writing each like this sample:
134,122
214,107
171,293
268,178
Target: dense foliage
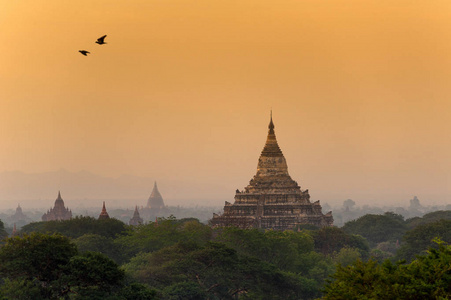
215,271
79,226
419,239
427,277
429,218
40,266
85,258
378,228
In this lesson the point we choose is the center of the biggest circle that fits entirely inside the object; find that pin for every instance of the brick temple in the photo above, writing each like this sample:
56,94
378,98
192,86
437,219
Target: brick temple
58,212
272,200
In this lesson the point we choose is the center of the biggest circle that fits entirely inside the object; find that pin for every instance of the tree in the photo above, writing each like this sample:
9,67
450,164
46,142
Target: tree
138,291
98,243
419,239
40,266
215,271
79,226
153,237
21,289
377,228
329,240
347,256
3,233
92,274
36,256
281,248
429,218
427,277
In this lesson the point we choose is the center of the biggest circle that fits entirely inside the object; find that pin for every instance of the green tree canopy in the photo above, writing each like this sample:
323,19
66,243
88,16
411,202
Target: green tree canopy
377,228
91,275
3,233
35,256
429,218
427,277
419,239
215,271
41,266
79,226
281,248
169,231
330,240
98,243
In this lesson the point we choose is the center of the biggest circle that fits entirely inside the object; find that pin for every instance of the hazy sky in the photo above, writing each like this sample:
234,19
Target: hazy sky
360,92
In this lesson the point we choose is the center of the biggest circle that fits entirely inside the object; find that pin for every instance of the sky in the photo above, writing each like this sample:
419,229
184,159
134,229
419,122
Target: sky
182,92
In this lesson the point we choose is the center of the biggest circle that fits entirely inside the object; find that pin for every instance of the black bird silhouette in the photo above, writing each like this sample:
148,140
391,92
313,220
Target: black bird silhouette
84,52
101,40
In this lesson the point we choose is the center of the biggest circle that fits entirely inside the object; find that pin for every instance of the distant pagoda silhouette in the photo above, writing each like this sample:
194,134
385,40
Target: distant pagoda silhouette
272,200
58,212
19,215
155,201
103,214
136,220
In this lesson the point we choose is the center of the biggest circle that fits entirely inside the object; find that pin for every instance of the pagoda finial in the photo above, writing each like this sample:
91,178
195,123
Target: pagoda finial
271,125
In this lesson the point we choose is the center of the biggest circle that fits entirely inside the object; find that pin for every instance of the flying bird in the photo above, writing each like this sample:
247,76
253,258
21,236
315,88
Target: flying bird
84,52
101,40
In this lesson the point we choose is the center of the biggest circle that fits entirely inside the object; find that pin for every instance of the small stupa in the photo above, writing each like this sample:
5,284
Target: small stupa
103,214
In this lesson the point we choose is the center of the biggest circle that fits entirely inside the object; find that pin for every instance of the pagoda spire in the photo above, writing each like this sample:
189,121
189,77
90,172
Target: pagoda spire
271,161
271,147
104,213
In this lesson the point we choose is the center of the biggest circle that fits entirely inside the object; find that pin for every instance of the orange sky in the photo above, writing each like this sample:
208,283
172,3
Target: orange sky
182,91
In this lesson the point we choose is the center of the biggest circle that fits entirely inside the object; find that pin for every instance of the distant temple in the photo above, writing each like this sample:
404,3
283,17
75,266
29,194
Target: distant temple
19,215
155,201
103,214
136,220
58,212
272,200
